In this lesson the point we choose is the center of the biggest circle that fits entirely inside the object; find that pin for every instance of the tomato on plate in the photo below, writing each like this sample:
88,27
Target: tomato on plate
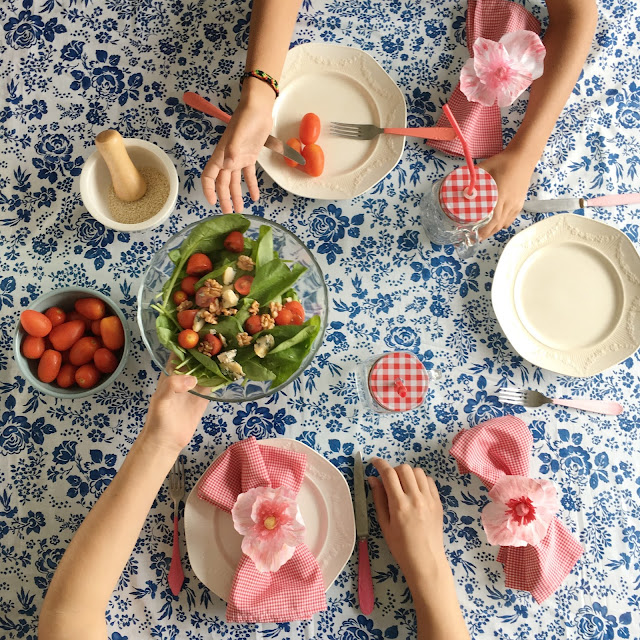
188,285
49,365
188,339
314,156
234,242
253,325
179,297
243,285
215,342
294,143
84,350
67,376
112,333
65,335
297,311
92,308
87,376
36,324
309,128
32,347
284,317
198,264
56,315
105,360
186,318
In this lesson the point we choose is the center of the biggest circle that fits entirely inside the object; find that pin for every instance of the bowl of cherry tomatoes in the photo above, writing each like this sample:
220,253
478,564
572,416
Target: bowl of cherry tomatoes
71,342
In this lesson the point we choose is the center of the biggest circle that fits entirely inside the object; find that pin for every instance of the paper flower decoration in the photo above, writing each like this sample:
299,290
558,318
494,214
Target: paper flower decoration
501,71
520,511
268,520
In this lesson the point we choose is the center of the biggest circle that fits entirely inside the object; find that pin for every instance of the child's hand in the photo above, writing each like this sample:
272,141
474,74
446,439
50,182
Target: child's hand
410,516
512,173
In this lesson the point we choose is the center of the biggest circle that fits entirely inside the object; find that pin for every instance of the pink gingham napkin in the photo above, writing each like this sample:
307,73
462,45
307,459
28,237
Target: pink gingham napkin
296,590
482,126
502,446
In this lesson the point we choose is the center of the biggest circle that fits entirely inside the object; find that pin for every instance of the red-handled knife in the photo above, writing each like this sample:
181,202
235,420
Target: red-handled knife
365,582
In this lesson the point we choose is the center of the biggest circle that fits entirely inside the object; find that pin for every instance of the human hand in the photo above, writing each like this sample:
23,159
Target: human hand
237,151
410,516
512,172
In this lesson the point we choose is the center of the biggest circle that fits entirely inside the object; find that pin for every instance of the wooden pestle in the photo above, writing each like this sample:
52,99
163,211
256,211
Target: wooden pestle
128,184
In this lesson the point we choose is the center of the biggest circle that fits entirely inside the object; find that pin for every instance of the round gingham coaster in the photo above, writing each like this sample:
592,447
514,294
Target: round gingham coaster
398,381
468,210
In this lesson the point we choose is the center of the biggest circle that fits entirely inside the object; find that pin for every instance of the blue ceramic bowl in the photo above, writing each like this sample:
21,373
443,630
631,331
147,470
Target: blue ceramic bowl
65,299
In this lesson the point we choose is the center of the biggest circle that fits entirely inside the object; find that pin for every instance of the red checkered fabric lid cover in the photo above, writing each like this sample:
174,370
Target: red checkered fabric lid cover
468,210
398,381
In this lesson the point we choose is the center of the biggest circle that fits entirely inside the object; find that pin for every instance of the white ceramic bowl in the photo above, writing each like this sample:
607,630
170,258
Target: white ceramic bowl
95,181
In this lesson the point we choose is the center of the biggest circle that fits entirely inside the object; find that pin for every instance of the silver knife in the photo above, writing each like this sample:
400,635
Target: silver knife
199,103
554,205
365,582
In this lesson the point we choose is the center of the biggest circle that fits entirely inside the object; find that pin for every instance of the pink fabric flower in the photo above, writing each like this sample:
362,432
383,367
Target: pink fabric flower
270,523
520,512
502,70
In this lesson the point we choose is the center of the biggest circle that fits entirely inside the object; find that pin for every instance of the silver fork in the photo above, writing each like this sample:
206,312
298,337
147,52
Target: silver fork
176,492
370,131
529,398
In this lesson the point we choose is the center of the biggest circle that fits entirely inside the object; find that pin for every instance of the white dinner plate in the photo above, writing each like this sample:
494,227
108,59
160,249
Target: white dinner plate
566,292
326,508
339,84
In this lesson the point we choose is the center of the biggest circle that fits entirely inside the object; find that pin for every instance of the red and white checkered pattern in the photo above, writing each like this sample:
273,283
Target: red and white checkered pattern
482,126
468,210
296,590
502,446
398,366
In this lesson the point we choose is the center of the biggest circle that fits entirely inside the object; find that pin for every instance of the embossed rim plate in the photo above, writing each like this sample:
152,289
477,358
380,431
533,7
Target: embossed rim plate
566,293
325,504
339,84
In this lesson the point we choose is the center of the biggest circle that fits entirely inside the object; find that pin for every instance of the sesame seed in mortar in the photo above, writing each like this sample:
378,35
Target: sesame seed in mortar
146,207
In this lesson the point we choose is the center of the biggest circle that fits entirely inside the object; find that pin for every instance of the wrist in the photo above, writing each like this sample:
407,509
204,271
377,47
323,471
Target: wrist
155,449
257,94
425,576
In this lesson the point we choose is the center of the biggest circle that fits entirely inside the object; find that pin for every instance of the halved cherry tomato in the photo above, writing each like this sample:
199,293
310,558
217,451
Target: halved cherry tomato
66,376
105,360
186,318
56,315
74,315
92,308
83,350
95,327
294,143
112,333
179,297
32,347
36,324
188,285
65,335
253,325
49,365
309,128
87,376
203,299
234,242
243,285
215,342
297,310
188,339
314,156
198,264
284,317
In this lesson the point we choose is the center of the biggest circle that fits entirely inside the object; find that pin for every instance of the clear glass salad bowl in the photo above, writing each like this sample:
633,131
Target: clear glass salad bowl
310,287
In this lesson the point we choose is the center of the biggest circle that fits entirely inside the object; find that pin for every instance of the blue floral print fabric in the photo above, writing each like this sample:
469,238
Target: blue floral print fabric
72,68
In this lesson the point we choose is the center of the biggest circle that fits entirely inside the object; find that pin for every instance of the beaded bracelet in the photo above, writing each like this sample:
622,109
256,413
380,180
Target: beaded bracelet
265,77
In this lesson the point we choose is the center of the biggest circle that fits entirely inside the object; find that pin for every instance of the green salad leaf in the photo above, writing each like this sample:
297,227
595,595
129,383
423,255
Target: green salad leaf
275,278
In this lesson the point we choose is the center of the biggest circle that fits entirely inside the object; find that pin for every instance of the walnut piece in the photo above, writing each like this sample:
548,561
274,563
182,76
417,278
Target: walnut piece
245,263
244,339
275,308
254,308
183,306
266,321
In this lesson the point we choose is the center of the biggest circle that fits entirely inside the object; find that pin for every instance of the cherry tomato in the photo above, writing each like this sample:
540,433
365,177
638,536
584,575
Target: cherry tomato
179,297
66,376
187,285
56,315
284,317
92,308
74,315
95,327
309,128
314,156
215,342
198,264
112,333
294,143
253,325
65,335
243,285
49,365
234,242
105,360
83,350
203,299
186,318
32,347
188,339
36,324
87,376
297,310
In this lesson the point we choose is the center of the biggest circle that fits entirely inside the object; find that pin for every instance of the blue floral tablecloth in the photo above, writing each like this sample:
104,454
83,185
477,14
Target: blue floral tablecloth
71,68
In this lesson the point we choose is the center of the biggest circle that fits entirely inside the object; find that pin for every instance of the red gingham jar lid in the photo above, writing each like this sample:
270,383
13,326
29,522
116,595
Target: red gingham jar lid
398,381
461,208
